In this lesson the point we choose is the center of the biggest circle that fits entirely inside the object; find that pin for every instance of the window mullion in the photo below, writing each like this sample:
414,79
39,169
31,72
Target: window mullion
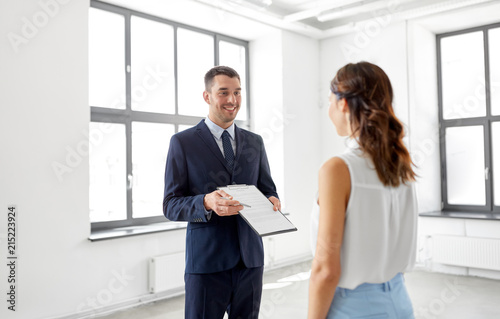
247,81
487,72
176,77
487,130
128,122
216,50
444,177
488,178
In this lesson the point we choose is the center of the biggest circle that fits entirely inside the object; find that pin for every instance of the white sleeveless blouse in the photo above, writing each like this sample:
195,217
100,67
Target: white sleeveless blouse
380,229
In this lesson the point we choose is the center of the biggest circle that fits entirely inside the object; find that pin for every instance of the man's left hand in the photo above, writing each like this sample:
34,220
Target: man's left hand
276,202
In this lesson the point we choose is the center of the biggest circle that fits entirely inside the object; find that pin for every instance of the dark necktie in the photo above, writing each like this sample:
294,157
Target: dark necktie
228,149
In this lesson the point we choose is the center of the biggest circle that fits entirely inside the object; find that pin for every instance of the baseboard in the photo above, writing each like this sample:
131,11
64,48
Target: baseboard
288,262
124,305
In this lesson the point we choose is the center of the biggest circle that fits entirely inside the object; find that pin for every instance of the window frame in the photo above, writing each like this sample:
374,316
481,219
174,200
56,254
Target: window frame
127,116
484,121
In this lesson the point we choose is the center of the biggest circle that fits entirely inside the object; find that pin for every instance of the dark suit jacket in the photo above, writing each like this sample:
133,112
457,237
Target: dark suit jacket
195,167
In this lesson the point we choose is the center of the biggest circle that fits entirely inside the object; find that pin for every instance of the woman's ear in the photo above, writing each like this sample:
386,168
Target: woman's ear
344,108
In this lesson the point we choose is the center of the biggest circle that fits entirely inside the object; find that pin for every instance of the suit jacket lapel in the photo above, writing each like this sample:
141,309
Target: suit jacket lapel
207,137
239,142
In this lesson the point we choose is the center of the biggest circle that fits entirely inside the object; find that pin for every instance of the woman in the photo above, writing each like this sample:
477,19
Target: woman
366,233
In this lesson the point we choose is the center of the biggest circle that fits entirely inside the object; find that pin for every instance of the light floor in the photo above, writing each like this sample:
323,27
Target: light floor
285,297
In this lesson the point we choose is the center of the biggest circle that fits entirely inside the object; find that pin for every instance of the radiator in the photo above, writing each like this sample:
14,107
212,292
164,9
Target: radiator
166,272
471,252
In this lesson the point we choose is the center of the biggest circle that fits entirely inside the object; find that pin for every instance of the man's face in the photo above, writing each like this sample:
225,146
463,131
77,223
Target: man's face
224,99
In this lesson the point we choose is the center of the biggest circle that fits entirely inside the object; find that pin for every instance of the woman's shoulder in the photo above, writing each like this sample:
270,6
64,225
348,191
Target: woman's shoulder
334,166
356,159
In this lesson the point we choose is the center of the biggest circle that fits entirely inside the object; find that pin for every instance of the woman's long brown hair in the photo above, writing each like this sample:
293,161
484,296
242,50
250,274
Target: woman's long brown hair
368,93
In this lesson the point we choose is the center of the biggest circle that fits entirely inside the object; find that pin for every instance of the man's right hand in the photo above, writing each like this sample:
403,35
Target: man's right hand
222,207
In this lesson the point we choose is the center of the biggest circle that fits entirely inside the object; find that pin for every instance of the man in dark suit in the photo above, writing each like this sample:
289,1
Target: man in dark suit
224,256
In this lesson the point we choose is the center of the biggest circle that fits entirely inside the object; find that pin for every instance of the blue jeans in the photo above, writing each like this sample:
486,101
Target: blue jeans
375,301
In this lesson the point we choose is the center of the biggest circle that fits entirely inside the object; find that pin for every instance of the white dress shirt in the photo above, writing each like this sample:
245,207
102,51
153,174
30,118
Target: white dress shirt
217,131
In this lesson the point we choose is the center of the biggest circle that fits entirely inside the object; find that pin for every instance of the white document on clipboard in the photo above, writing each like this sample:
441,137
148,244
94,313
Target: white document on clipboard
261,216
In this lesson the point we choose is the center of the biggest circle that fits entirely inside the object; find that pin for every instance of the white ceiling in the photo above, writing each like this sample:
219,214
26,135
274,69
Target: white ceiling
303,16
324,18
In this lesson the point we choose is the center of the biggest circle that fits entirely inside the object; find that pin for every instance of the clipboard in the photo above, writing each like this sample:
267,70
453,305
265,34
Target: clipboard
259,212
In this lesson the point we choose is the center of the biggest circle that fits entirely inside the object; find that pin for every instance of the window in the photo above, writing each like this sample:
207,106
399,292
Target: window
469,115
145,84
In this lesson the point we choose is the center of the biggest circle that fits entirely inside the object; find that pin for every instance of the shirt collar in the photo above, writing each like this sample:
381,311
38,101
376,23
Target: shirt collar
352,142
217,131
352,145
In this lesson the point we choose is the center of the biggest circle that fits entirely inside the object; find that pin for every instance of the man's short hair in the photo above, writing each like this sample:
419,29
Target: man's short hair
218,70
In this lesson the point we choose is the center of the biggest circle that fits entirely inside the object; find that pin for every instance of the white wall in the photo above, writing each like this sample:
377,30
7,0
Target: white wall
266,86
424,121
301,140
44,119
45,115
386,47
285,99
